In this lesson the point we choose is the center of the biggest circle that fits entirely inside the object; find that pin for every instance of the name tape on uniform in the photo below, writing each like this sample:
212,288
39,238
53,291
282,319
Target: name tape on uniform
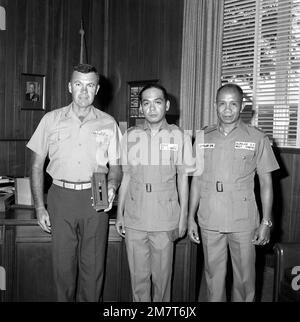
245,145
206,145
168,147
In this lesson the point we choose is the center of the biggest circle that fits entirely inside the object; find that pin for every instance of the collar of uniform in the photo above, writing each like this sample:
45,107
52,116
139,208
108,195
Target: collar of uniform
68,112
239,125
90,116
164,126
244,127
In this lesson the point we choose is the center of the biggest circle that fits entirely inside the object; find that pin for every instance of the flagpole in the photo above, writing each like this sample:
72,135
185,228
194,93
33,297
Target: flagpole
81,32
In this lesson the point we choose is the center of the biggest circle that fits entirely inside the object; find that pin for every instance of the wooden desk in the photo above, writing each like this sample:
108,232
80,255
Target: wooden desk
25,253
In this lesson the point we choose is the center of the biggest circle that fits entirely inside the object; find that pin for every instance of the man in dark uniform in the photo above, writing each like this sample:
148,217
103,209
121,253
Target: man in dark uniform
153,196
223,197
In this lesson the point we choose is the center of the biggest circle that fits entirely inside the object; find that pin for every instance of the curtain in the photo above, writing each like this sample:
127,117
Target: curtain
201,62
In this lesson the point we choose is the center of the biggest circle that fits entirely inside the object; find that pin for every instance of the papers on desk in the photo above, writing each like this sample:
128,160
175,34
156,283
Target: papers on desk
7,189
7,192
6,184
6,199
4,181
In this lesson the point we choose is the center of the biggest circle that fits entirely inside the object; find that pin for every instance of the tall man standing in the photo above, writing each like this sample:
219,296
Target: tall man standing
153,197
79,140
223,196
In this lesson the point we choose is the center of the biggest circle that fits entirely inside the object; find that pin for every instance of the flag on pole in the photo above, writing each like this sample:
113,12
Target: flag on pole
81,32
2,18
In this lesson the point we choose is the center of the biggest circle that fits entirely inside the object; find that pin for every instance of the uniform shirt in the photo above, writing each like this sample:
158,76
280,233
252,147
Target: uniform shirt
76,148
153,162
227,200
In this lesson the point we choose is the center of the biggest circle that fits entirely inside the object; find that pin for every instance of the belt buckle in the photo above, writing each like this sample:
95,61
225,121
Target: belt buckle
148,187
219,186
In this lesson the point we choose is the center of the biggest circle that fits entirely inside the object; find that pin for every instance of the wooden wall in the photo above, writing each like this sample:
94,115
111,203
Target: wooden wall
144,43
127,40
286,207
41,37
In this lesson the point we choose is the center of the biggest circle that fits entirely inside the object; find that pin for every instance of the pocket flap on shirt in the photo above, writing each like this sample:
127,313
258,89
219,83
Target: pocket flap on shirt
166,195
58,135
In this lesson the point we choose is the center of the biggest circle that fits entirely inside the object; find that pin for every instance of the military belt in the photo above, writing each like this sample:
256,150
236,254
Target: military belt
153,187
72,185
220,186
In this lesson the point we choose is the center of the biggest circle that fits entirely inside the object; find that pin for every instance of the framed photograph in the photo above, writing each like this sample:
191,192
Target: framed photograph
33,91
134,115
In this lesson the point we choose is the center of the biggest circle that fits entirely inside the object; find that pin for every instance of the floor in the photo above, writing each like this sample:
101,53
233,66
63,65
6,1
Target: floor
264,288
267,288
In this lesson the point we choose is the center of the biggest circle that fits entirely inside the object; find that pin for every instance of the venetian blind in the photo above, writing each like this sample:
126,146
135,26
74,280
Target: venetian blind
261,53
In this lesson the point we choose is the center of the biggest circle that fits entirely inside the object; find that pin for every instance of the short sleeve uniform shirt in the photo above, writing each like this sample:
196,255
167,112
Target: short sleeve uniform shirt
76,148
153,162
227,200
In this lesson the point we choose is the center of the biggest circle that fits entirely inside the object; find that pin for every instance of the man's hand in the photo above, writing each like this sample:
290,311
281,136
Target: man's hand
261,235
43,219
120,225
111,193
193,231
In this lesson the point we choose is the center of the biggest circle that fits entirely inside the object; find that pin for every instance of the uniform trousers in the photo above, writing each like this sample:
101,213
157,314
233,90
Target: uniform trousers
79,240
150,255
242,253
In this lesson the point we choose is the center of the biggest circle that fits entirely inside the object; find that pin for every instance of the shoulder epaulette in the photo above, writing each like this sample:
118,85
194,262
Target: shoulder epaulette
256,128
175,127
208,129
132,128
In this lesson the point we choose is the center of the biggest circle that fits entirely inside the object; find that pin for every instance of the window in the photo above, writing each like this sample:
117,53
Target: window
261,53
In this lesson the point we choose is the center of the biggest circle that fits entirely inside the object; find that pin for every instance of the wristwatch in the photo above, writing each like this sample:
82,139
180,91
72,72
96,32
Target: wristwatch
268,223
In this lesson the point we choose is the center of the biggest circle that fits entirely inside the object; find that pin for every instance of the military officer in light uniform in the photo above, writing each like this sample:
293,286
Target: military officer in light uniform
223,197
153,197
79,140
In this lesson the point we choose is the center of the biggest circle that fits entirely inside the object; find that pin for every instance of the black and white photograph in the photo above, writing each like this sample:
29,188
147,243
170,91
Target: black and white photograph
33,91
149,157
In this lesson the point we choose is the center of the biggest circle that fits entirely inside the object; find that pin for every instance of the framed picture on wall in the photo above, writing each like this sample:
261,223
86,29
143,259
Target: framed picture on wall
33,91
134,115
